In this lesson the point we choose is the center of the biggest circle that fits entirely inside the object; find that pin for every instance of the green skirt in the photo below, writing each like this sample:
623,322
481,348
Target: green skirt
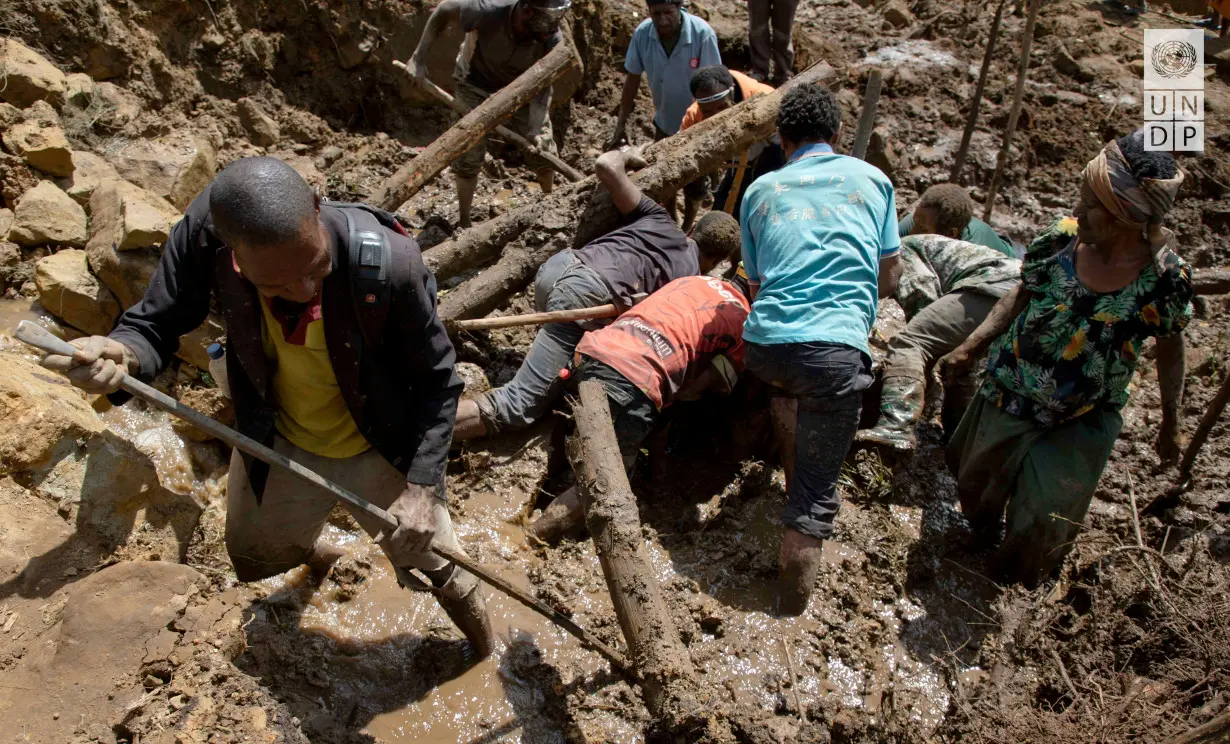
1041,479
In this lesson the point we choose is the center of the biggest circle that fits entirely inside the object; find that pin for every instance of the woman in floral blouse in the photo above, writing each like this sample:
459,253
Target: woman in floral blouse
1063,348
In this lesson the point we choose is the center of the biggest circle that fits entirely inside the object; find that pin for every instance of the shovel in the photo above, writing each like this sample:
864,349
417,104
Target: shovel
41,338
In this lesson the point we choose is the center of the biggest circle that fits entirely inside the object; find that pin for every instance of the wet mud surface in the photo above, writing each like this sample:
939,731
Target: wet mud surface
906,640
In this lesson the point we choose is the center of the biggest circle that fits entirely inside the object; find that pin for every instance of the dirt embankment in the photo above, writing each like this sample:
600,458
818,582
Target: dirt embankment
112,569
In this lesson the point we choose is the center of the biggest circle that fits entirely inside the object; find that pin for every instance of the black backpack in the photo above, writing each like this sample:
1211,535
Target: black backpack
371,264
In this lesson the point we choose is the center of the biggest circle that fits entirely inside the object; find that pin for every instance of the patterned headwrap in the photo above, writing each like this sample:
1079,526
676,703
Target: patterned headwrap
1140,204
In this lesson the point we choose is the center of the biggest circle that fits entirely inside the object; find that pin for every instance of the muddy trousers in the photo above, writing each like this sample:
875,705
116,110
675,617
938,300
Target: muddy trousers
278,534
1041,479
563,283
779,45
471,161
828,381
936,330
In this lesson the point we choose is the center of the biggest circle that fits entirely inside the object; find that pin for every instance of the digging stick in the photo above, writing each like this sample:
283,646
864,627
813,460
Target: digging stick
971,121
867,119
572,174
1207,422
1014,115
41,338
1216,731
554,316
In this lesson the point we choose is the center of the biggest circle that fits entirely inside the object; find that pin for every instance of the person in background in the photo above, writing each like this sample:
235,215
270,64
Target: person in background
779,14
681,342
637,259
716,89
1063,349
820,248
947,289
668,46
946,209
504,38
373,417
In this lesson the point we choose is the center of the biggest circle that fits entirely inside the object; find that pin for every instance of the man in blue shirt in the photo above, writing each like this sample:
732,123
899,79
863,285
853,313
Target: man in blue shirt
668,46
820,248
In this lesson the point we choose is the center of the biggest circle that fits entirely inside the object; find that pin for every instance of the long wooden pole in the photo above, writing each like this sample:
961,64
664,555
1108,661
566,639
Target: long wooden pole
867,120
41,338
475,125
976,103
1216,731
1201,435
668,677
554,316
441,95
1022,73
1211,281
971,120
579,207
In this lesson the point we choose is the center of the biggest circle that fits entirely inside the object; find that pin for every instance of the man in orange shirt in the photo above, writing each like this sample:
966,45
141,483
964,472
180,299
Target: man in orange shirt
684,340
715,89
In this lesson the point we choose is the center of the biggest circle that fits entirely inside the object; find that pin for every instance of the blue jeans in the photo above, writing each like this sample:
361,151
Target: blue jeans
563,283
828,381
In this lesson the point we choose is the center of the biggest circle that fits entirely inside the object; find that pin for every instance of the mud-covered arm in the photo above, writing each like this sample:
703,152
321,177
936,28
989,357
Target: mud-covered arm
428,361
446,13
1008,309
611,168
176,301
627,102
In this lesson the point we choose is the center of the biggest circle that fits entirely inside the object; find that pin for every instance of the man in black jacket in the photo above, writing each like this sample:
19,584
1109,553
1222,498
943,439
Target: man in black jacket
309,376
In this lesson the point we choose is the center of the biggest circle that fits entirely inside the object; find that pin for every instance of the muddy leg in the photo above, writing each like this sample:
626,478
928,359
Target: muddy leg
784,412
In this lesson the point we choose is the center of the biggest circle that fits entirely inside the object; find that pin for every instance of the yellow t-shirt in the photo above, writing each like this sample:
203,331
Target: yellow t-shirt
311,411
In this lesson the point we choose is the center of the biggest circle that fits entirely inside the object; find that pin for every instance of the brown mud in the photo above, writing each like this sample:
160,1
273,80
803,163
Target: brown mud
905,639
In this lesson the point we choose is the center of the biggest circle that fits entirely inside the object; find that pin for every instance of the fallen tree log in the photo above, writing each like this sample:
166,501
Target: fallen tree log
668,677
1211,281
674,162
463,135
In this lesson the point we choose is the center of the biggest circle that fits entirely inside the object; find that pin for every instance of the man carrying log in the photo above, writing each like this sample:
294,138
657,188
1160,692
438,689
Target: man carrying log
681,342
946,209
715,89
668,46
504,38
947,289
813,308
335,358
636,259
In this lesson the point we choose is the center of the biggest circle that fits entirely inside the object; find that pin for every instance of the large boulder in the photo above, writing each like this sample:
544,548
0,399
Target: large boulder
176,167
47,215
28,76
102,105
106,623
127,217
89,170
125,272
40,140
68,290
55,443
262,129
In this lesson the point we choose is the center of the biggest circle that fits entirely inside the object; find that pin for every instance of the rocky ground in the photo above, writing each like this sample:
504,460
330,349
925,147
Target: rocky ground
120,620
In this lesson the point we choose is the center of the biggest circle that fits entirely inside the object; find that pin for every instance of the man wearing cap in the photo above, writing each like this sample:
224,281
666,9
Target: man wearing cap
668,46
504,38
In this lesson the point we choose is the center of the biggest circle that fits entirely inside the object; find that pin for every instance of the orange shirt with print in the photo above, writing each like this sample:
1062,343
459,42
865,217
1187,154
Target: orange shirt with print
671,337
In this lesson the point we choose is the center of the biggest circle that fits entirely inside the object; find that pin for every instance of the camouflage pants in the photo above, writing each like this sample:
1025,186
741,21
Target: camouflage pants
936,330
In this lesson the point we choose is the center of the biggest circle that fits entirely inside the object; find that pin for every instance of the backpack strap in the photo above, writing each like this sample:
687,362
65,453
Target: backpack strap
370,259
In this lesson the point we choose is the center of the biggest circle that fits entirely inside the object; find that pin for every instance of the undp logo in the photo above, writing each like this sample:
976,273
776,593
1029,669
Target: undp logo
1174,90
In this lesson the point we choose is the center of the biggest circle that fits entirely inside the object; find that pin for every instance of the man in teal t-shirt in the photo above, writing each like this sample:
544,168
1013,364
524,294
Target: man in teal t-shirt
946,209
820,248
